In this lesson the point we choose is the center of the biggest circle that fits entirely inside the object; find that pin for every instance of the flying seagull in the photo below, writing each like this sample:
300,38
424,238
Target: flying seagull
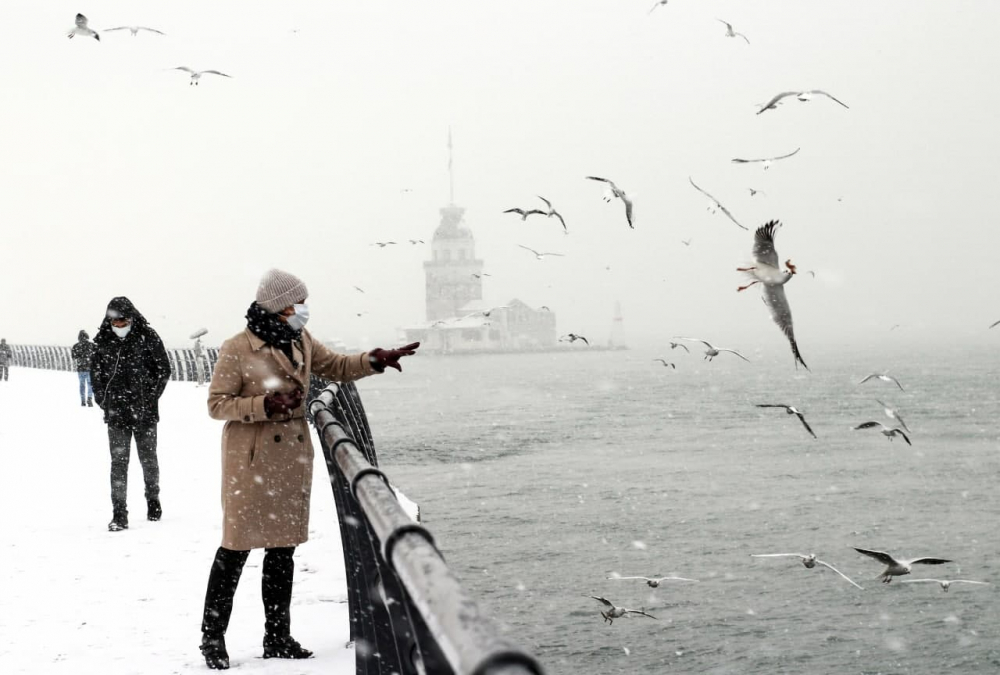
613,612
801,95
731,33
791,410
767,163
617,193
552,213
767,270
653,582
897,568
416,241
540,256
383,244
135,30
754,192
892,413
686,242
716,204
480,276
675,345
573,337
359,290
196,74
658,4
82,30
665,364
885,377
886,431
712,352
995,323
524,214
810,561
945,583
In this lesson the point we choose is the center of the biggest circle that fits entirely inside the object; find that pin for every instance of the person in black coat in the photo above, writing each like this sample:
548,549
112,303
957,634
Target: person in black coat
82,352
130,370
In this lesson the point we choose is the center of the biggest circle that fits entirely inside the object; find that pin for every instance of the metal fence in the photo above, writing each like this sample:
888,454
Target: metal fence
182,361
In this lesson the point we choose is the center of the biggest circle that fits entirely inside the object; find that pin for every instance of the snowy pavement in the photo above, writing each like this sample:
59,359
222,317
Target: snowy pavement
78,599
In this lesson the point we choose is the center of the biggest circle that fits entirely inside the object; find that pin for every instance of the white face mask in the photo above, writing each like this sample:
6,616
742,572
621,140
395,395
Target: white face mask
123,331
298,320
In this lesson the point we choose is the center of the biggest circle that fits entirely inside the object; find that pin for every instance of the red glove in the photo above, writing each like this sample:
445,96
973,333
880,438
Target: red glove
380,358
280,403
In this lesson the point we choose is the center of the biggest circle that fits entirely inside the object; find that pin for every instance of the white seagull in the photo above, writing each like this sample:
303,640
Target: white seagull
541,256
944,583
573,337
525,213
653,582
613,612
715,204
552,213
135,30
383,244
801,95
658,4
897,568
810,561
712,352
885,377
886,431
791,410
82,30
767,162
617,193
767,270
731,33
675,345
665,364
892,413
196,74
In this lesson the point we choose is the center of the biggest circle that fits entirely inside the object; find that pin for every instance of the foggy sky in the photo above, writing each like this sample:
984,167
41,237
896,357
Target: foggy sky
118,178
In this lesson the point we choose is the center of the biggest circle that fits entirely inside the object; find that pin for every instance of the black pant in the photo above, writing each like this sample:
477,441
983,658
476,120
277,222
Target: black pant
276,589
120,441
3,372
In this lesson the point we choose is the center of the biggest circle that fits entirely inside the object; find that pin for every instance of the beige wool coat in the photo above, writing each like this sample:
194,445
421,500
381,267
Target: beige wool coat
267,463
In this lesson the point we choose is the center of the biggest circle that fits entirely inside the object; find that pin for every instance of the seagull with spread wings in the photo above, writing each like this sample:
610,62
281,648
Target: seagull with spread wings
675,345
196,74
896,567
612,612
383,244
659,3
766,270
617,193
800,95
944,583
809,561
715,204
995,323
524,213
541,256
886,431
653,582
893,414
82,29
711,352
766,162
885,377
731,33
573,337
135,30
791,410
666,363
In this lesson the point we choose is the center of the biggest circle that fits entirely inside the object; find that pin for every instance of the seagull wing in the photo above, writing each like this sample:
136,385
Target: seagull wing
728,25
893,379
763,244
547,202
881,556
868,378
779,555
559,216
777,302
929,561
900,420
614,188
628,211
704,342
823,93
529,249
969,581
604,601
580,337
905,437
733,351
520,212
802,419
920,581
639,611
151,30
108,30
717,203
81,21
215,72
770,104
643,578
184,68
771,405
826,564
869,425
685,348
996,323
676,579
744,37
775,159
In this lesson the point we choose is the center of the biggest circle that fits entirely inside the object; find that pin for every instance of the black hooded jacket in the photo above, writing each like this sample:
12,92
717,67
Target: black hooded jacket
129,374
83,351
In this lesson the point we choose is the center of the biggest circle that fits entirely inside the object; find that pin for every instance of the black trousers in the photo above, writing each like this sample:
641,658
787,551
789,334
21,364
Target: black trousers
3,372
120,441
276,589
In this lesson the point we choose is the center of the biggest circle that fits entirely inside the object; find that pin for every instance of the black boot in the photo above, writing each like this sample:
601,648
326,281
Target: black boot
276,590
153,509
213,648
119,521
222,581
90,402
284,647
83,404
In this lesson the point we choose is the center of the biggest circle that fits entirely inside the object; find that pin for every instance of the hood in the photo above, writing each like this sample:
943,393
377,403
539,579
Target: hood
124,307
82,337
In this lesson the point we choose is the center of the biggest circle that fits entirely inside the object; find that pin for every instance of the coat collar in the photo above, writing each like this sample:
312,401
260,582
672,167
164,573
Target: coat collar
298,350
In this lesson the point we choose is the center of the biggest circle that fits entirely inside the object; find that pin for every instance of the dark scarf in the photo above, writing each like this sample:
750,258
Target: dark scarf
272,330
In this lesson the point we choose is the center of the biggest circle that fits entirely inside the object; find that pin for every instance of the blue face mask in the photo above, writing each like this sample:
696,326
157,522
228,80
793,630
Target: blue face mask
298,320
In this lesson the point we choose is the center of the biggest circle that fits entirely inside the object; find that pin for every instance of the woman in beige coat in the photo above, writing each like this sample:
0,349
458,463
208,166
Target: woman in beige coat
267,454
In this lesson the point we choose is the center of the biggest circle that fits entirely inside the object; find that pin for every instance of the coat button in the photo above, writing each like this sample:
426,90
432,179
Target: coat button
301,438
246,418
277,438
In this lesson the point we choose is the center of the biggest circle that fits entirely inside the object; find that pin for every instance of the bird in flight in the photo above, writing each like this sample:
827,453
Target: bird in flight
896,567
995,323
524,214
480,276
809,561
82,30
893,414
135,30
545,307
712,352
885,377
715,204
767,270
754,192
944,583
617,193
552,213
800,95
573,337
766,162
383,244
653,582
613,612
659,3
416,241
359,290
665,364
686,242
196,74
540,256
675,345
886,431
791,410
731,33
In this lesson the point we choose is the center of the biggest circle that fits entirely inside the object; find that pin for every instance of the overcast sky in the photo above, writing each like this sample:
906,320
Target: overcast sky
118,178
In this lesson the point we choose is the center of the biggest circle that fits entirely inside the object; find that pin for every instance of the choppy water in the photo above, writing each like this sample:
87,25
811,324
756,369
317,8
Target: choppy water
540,475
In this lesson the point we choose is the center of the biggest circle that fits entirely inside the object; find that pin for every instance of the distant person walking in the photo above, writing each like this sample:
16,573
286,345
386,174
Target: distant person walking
200,363
6,356
267,456
130,370
83,352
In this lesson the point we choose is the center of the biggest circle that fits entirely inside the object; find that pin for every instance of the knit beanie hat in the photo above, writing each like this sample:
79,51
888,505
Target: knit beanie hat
279,289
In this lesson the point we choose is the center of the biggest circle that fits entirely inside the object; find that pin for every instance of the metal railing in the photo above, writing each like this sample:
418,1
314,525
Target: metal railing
409,613
50,357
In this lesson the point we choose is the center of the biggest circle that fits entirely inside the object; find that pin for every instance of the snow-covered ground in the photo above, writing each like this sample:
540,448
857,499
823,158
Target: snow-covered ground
78,599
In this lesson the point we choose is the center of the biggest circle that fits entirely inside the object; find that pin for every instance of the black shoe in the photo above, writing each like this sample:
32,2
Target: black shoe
83,404
90,403
214,651
118,523
284,648
153,510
